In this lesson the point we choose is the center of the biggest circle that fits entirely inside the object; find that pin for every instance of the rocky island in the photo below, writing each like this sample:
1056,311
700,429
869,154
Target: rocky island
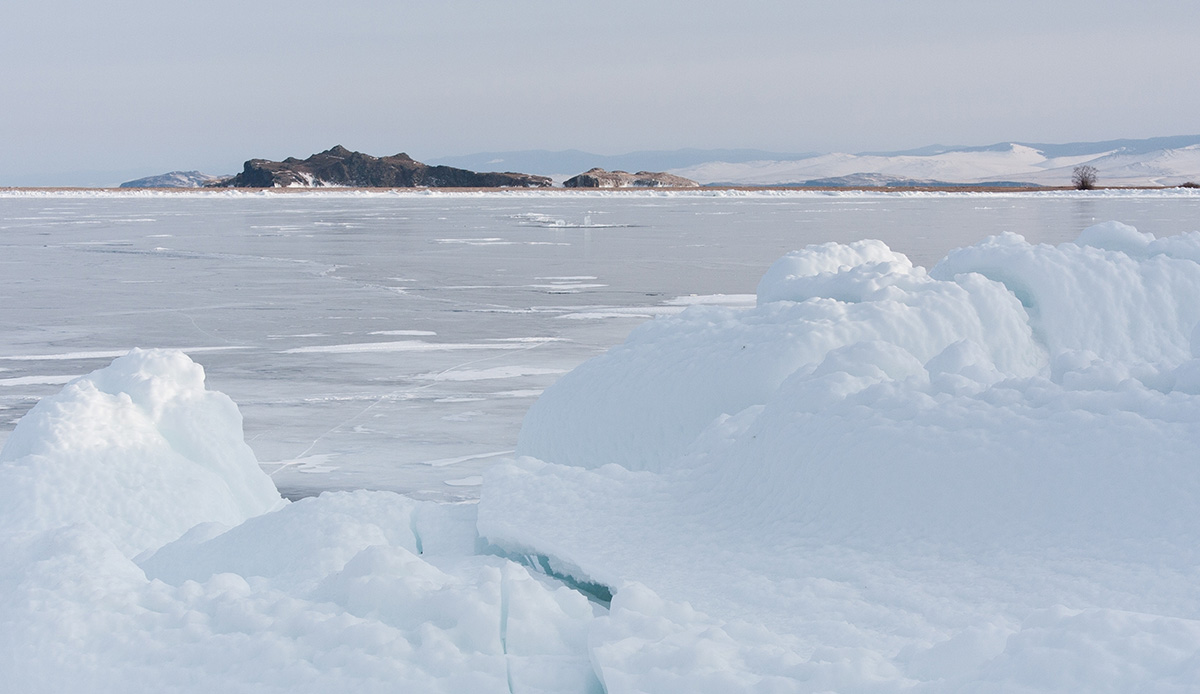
340,167
599,178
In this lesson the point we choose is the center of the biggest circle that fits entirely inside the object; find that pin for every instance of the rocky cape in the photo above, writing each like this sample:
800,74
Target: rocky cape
599,178
339,167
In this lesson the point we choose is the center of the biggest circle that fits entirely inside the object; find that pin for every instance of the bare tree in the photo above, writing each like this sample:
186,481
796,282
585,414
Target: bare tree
1084,177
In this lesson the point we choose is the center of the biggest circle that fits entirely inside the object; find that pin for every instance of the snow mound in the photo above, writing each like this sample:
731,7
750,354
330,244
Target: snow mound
644,402
140,450
937,481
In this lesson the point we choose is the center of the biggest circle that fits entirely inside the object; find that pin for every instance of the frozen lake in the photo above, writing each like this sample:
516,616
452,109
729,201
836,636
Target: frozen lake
394,341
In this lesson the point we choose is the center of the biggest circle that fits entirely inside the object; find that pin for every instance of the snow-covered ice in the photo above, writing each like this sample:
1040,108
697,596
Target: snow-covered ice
874,477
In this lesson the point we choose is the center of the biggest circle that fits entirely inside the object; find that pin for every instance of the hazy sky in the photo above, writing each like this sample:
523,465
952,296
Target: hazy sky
96,92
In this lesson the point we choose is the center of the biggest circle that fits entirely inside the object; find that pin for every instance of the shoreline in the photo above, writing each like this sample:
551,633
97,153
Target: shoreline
701,190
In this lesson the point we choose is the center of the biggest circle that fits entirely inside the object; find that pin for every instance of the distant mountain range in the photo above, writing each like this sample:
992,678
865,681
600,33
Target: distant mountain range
1153,162
1157,161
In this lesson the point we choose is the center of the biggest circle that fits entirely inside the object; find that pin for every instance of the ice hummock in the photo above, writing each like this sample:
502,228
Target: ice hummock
140,450
981,477
144,550
930,479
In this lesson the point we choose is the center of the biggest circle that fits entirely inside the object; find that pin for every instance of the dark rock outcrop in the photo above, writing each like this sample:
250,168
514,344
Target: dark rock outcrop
176,179
342,168
599,178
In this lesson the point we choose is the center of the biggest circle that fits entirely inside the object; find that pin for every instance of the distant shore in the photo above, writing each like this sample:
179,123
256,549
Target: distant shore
588,191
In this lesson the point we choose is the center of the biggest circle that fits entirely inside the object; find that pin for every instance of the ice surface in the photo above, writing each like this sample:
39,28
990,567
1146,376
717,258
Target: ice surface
284,297
321,313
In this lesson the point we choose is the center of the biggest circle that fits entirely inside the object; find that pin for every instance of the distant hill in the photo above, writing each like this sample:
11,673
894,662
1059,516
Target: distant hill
175,179
875,180
599,178
1070,149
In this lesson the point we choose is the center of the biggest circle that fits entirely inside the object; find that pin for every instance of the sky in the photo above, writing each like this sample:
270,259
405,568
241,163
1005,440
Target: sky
97,93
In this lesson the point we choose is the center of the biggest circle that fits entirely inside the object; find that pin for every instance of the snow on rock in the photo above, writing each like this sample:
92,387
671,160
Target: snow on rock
141,450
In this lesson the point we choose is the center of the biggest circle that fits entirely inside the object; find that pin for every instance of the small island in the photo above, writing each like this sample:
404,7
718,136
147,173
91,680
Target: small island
599,178
340,167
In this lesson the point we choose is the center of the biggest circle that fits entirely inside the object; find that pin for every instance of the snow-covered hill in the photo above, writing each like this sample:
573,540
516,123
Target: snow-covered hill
175,179
1037,164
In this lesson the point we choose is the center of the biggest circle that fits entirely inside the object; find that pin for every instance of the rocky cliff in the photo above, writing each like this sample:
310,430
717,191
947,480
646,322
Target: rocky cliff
599,178
341,167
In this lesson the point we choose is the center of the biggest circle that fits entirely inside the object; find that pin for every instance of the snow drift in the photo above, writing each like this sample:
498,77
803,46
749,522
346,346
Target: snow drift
980,477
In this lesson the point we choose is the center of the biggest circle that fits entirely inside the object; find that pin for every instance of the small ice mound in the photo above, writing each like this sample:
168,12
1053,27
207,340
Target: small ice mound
872,360
847,272
140,450
963,362
1115,236
300,543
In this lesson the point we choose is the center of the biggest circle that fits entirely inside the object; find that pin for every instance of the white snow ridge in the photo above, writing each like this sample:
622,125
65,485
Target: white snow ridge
978,478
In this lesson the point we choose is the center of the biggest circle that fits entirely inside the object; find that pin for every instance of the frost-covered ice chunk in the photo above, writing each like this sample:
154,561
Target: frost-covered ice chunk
140,450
